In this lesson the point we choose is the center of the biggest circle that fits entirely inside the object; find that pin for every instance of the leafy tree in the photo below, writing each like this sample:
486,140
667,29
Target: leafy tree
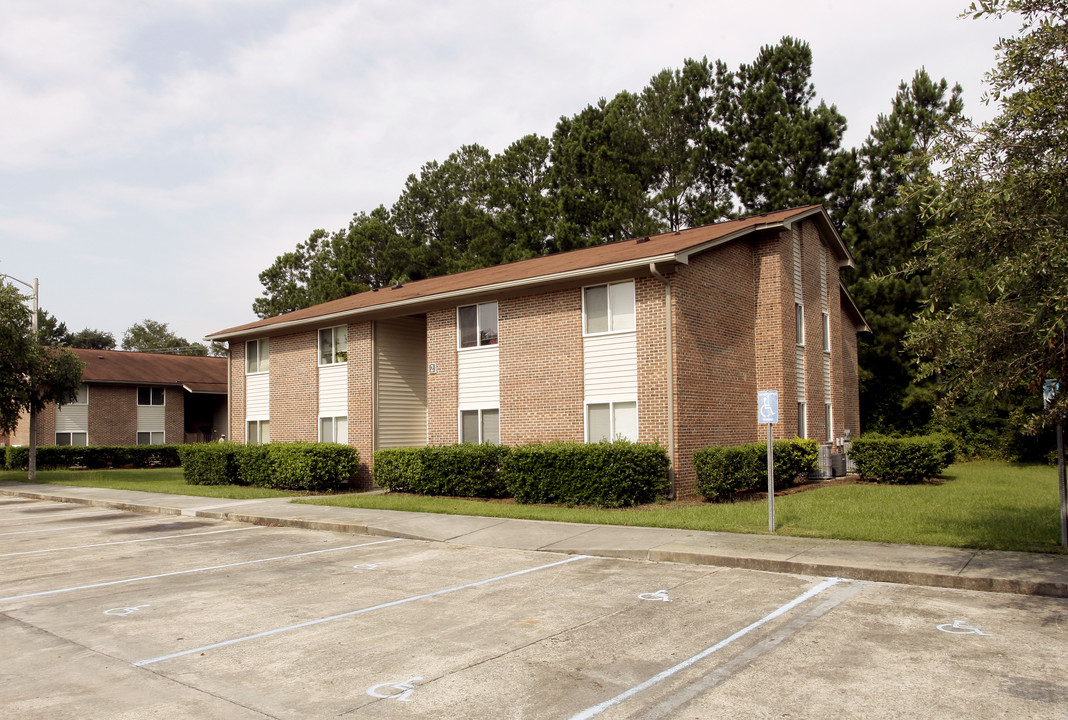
153,336
32,375
50,330
92,339
602,171
519,198
998,256
886,228
786,145
285,282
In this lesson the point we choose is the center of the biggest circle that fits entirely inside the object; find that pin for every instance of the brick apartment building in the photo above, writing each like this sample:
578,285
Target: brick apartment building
662,339
134,398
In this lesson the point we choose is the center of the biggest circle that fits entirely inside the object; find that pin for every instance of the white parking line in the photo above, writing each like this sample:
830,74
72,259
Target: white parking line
598,709
187,572
318,621
81,527
127,542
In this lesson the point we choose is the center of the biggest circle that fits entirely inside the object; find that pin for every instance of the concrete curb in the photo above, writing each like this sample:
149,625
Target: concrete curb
1025,574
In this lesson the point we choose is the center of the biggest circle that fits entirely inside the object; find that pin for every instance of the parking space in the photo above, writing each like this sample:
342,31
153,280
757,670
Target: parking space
112,615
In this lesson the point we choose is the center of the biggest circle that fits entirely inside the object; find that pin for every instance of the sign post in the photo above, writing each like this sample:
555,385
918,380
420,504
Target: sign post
1049,393
768,414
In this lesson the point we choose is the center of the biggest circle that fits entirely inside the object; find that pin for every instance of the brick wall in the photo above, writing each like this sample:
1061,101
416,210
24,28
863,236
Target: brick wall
113,414
236,432
361,397
441,387
295,387
46,428
541,367
651,344
774,331
812,278
850,379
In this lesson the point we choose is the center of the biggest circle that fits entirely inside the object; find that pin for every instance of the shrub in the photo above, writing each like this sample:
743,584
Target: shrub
724,470
463,470
253,466
95,457
315,467
901,460
210,463
606,474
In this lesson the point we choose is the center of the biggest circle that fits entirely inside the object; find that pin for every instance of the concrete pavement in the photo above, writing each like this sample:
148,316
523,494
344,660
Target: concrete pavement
966,569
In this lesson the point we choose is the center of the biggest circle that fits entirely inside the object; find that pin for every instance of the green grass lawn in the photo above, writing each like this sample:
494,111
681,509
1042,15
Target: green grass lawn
158,480
989,505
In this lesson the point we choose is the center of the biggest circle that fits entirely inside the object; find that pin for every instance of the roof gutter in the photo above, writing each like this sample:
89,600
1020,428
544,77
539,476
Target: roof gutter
669,367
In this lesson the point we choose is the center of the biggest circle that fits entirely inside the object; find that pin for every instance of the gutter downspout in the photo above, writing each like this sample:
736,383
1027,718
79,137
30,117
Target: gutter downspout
670,367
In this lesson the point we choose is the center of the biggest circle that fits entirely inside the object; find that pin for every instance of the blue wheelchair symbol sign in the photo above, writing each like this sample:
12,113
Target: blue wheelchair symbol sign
768,407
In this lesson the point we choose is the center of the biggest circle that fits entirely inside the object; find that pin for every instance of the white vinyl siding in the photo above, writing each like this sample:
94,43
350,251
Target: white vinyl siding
72,418
258,397
333,390
400,382
610,367
151,418
478,379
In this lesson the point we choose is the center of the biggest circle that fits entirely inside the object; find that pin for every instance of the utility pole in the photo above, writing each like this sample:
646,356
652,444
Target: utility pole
33,412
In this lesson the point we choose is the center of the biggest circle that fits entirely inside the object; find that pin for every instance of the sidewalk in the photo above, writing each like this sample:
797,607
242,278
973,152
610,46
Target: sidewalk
985,570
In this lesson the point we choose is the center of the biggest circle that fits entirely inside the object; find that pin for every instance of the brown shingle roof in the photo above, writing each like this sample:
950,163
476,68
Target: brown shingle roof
666,247
196,374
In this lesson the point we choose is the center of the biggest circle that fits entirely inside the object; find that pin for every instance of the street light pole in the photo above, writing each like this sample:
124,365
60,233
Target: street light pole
33,412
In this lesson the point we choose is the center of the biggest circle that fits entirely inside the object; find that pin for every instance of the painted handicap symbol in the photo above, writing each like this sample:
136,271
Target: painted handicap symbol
661,595
124,611
959,628
395,691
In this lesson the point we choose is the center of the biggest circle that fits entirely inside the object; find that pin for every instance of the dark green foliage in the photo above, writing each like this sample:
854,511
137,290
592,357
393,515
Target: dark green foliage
463,470
154,336
210,463
316,467
96,457
724,470
253,466
615,474
902,460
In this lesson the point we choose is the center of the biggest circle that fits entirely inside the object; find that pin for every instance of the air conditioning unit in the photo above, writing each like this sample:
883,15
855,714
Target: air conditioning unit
824,470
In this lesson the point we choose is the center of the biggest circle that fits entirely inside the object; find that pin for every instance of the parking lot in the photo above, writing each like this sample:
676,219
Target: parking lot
110,614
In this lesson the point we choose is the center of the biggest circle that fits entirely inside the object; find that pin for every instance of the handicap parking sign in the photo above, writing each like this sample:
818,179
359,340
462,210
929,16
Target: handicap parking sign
768,407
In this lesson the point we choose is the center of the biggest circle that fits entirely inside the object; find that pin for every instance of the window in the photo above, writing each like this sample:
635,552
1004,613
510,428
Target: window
259,432
799,312
83,396
334,430
257,356
802,421
480,426
150,438
608,308
612,421
478,324
78,439
826,332
828,419
333,345
150,395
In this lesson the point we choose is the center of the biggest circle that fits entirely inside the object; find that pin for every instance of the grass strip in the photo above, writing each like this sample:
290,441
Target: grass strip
156,480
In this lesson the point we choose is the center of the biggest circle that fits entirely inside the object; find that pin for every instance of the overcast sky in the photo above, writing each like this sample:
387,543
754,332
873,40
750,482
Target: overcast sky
156,156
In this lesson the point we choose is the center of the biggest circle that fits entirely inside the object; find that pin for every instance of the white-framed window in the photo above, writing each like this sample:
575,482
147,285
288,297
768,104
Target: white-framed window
799,320
333,345
826,332
612,421
480,426
257,356
828,419
151,438
477,325
334,430
608,308
151,395
259,432
78,439
802,421
82,397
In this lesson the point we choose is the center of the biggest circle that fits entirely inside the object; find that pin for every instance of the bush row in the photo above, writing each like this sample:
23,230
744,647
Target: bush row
902,460
315,467
614,474
94,457
725,470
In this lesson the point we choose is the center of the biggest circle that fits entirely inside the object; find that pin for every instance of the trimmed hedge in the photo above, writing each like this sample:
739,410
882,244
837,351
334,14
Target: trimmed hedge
310,466
94,457
210,463
724,470
902,460
606,474
463,470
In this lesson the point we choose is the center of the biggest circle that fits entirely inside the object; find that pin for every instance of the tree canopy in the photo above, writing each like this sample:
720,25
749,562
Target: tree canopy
997,258
154,336
32,375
